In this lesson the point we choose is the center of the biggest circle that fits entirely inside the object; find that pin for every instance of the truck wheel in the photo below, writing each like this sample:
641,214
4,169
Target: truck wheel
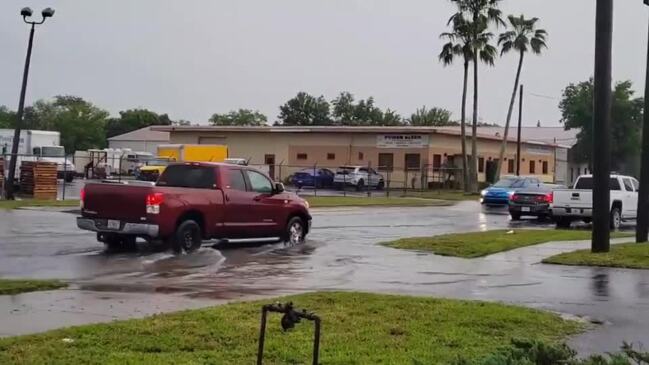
515,216
188,237
380,186
563,222
69,178
295,231
616,218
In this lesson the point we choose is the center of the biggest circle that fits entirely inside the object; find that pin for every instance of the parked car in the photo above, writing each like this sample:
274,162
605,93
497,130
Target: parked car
319,177
577,203
358,177
191,202
534,202
499,193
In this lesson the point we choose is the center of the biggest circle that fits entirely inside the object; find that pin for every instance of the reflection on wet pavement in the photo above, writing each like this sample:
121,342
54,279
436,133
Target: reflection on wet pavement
342,253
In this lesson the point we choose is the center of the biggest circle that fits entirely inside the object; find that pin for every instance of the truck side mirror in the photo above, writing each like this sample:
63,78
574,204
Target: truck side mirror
279,188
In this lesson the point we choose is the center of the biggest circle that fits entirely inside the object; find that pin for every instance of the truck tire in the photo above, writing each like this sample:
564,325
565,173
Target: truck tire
616,218
295,231
69,178
563,222
187,238
380,186
515,216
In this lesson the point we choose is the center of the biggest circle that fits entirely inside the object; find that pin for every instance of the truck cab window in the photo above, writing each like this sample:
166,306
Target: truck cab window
237,181
628,185
259,183
188,176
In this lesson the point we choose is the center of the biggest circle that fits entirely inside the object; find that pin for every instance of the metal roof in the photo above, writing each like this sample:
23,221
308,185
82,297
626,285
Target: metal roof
144,134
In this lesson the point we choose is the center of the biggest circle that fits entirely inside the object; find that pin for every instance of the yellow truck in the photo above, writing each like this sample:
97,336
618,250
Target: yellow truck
179,153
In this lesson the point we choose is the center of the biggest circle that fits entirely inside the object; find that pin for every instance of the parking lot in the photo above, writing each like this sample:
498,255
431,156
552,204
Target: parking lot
342,253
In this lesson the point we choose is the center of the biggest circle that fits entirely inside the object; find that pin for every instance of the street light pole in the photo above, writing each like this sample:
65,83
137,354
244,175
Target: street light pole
642,227
602,127
26,13
518,139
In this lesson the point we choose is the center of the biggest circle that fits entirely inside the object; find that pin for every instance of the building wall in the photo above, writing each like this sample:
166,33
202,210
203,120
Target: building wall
295,151
139,146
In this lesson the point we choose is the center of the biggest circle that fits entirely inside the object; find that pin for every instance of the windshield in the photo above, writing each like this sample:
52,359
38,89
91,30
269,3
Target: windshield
506,183
157,162
57,151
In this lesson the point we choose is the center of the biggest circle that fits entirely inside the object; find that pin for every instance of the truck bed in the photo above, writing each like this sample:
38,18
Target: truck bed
123,201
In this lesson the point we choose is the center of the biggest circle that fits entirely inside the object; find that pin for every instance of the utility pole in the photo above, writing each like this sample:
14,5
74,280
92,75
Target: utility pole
642,227
518,139
25,13
602,127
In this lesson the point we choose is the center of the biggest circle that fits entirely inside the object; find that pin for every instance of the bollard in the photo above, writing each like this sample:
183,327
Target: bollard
289,319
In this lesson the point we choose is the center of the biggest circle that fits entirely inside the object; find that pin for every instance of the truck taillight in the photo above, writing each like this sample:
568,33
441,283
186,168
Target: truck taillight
82,197
549,198
153,202
513,197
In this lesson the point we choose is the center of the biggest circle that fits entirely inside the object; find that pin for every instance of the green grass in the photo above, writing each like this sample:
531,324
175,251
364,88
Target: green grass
17,286
349,201
629,255
356,329
14,204
478,244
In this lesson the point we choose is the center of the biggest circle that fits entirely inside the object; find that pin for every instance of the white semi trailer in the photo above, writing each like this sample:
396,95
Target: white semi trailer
37,146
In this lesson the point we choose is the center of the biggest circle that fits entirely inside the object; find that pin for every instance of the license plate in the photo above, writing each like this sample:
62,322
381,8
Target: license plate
525,209
112,224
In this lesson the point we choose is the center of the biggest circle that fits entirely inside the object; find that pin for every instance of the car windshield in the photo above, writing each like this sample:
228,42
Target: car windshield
343,170
157,162
507,183
53,152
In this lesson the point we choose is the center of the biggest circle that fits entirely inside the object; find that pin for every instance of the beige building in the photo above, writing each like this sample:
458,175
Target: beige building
414,156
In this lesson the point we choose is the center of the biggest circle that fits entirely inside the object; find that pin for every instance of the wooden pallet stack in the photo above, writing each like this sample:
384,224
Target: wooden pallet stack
38,179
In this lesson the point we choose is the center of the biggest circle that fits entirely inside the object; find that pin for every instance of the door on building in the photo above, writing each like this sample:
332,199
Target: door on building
270,161
491,167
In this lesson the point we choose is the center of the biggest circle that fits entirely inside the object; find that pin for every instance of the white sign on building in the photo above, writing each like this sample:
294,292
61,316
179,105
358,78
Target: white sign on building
401,141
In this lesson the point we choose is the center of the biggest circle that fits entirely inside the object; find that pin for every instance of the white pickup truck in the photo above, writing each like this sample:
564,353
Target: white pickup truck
577,203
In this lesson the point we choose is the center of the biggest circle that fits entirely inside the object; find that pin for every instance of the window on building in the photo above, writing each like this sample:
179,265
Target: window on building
532,167
413,161
510,166
386,161
545,167
437,162
361,156
331,156
302,156
481,164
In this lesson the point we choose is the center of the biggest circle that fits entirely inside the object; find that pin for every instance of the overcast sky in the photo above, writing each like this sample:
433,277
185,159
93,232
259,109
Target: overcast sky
192,58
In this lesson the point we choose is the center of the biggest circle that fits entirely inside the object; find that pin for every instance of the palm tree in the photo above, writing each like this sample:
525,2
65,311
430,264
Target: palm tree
482,13
459,45
523,37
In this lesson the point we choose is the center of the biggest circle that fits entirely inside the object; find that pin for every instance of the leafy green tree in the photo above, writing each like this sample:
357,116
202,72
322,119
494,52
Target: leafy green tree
241,117
7,117
626,123
134,119
523,37
478,15
435,117
362,113
80,123
305,109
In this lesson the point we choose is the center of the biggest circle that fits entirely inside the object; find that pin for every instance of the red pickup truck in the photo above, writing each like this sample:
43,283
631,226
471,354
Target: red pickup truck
192,202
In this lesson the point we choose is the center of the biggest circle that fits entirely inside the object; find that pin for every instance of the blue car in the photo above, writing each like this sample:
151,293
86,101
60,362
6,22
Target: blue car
320,178
499,193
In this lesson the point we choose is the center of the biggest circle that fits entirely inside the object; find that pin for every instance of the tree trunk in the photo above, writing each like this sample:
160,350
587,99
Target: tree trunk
465,172
474,148
503,147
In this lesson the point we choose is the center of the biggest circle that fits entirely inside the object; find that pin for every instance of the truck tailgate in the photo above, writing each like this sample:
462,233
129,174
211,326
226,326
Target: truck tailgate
570,198
125,202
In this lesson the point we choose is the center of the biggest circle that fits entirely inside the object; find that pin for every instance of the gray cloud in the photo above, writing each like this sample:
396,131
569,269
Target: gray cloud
195,57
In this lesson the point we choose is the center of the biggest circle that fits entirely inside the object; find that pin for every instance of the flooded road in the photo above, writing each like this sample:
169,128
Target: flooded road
342,253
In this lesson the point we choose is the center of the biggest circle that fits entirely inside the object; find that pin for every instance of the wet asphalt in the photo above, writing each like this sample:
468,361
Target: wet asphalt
341,253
